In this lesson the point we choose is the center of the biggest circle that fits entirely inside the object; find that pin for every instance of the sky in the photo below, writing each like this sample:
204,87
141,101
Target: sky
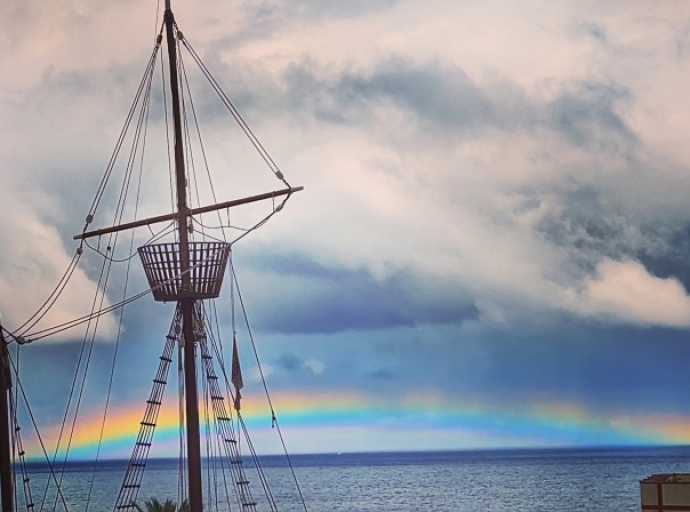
491,248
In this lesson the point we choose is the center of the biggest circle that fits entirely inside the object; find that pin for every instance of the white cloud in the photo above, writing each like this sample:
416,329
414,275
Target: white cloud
32,262
626,292
255,374
387,192
315,366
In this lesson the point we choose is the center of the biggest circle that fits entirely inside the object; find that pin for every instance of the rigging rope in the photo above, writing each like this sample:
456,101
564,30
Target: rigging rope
123,132
242,428
122,310
145,88
100,297
51,331
221,362
182,468
185,81
169,228
190,166
50,301
274,419
18,447
53,297
142,99
51,472
235,114
169,146
71,394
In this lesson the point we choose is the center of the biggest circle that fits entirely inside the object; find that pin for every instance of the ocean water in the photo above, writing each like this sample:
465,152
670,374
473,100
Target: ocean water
545,480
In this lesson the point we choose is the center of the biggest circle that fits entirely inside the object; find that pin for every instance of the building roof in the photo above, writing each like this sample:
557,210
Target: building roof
668,478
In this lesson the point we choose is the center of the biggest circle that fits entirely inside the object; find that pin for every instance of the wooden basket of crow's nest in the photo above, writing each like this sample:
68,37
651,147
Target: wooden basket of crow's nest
163,268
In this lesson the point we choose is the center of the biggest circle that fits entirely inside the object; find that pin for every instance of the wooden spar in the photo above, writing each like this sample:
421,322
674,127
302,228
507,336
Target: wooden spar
191,211
187,305
6,487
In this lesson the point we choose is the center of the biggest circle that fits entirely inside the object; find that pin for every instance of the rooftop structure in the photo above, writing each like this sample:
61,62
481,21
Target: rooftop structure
665,492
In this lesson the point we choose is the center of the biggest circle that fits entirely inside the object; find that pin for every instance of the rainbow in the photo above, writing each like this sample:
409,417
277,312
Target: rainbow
318,422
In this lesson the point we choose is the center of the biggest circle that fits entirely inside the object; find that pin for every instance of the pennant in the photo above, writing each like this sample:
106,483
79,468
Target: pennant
236,375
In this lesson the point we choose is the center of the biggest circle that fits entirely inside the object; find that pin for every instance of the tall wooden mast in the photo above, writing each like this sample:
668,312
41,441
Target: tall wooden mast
185,271
6,487
186,304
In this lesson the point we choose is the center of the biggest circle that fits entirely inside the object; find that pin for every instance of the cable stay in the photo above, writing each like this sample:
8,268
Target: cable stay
9,377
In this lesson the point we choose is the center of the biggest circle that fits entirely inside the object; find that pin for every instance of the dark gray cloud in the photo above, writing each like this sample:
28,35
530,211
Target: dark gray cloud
441,96
331,299
291,362
590,230
561,361
588,118
444,98
671,256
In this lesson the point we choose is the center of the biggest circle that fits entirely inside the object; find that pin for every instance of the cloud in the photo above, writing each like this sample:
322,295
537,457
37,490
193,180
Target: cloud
444,97
588,117
481,181
32,265
290,362
626,292
314,10
266,371
315,366
293,363
450,176
502,155
318,298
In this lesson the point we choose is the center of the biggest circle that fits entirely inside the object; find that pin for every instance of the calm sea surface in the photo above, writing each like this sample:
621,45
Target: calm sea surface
564,480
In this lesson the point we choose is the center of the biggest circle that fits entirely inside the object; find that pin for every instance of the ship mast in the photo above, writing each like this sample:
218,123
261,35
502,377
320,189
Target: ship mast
6,487
186,304
196,268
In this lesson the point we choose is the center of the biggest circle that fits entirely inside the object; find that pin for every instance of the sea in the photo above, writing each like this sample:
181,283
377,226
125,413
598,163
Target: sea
524,480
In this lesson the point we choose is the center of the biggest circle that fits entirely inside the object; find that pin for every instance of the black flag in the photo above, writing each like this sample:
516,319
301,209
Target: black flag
236,376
